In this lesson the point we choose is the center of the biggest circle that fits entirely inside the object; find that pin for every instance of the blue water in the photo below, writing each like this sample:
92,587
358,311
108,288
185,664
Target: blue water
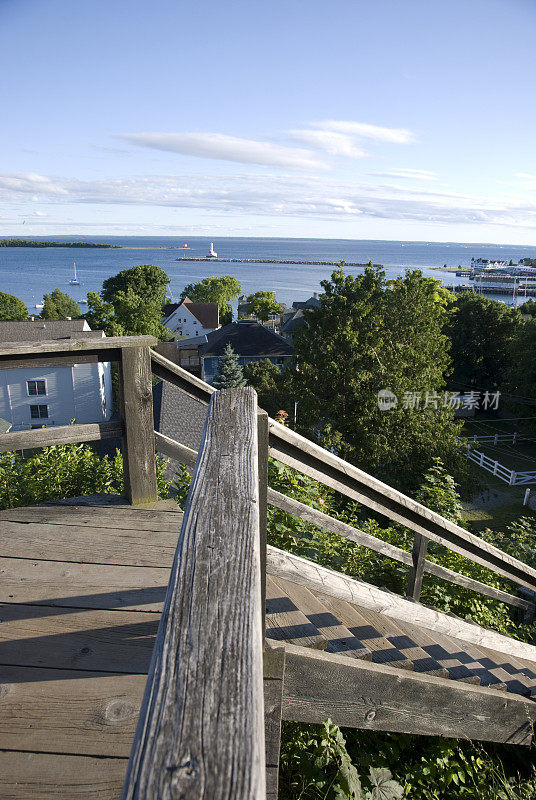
29,273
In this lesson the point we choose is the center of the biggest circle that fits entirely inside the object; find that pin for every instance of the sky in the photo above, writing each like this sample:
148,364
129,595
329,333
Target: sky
346,119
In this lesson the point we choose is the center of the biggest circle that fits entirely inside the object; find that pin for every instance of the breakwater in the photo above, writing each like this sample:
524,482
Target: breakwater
275,261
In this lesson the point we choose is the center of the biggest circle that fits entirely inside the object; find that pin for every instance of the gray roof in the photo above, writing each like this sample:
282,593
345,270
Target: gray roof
178,415
45,329
247,339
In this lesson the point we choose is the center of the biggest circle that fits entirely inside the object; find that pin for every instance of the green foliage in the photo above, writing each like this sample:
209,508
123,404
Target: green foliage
262,304
59,305
266,379
528,307
370,334
39,243
315,765
130,303
61,471
147,281
521,375
220,290
438,492
11,308
230,374
481,332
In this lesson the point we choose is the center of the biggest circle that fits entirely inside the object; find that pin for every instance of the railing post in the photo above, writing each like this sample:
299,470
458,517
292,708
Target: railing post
262,437
420,546
139,464
200,734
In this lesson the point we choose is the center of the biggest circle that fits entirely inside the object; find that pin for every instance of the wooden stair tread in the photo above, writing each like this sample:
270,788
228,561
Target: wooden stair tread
286,622
360,627
339,639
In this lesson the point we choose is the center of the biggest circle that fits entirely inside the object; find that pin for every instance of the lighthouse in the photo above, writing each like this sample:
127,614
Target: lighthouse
212,253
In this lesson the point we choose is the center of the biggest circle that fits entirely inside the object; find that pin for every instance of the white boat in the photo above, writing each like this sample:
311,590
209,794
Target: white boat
212,253
74,281
82,302
39,305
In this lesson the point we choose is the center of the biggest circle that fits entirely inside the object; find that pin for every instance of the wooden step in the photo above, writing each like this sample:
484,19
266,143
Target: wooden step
285,622
383,652
339,639
445,656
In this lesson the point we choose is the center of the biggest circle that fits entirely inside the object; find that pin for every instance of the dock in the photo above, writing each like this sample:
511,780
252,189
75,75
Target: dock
151,652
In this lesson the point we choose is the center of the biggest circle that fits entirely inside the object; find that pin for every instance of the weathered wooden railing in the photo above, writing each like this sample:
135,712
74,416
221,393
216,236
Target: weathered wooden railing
309,458
136,424
201,727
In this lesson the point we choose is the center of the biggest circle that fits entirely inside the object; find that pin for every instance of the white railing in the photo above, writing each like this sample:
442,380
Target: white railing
510,476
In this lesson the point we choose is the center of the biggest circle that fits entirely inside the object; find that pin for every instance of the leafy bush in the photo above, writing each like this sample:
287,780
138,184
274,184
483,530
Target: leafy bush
61,471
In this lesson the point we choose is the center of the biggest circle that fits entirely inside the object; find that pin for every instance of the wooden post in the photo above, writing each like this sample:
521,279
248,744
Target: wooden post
420,546
138,440
262,437
274,675
200,734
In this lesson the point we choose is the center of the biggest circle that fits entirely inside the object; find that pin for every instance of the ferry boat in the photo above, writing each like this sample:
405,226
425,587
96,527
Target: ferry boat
74,281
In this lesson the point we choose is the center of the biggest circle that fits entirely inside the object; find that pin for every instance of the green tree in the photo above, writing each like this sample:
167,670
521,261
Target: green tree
130,303
262,304
59,305
528,307
11,308
367,335
481,332
230,374
147,281
220,290
267,380
520,380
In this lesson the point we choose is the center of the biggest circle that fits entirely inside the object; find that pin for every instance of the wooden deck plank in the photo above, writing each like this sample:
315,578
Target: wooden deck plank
70,712
81,543
81,516
285,622
39,776
57,583
109,641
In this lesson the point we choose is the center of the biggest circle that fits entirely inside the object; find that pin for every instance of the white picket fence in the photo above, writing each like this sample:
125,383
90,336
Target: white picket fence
511,438
510,476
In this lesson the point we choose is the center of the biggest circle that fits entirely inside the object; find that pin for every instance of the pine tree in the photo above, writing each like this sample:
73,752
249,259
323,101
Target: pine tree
230,374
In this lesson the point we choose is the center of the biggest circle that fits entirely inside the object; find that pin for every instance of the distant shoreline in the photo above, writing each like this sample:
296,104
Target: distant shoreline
275,261
37,243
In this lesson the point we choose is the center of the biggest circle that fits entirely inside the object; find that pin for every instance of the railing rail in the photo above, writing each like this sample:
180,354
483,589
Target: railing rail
201,728
136,424
309,458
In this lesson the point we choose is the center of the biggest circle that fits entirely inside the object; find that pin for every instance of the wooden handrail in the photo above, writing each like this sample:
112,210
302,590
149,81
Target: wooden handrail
136,425
200,734
309,458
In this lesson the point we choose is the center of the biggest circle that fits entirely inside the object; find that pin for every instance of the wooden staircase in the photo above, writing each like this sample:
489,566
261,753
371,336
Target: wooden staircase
227,634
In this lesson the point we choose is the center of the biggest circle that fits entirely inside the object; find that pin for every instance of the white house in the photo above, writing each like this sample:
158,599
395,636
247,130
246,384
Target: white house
189,319
33,397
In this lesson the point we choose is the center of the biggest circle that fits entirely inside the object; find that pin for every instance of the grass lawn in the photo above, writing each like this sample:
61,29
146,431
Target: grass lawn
498,505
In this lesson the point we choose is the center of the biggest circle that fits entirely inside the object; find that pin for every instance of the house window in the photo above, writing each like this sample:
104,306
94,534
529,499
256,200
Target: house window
39,412
36,387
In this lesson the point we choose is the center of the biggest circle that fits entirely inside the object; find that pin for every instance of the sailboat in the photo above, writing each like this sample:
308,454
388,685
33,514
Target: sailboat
74,281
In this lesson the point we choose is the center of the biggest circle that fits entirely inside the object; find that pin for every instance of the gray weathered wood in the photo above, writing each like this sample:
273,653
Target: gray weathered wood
274,672
62,434
44,776
83,542
418,555
190,384
69,585
66,711
74,345
201,728
262,439
307,573
172,449
138,442
298,452
309,514
360,694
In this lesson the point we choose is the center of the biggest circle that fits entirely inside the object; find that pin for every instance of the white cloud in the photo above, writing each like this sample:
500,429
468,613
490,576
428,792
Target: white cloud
363,130
275,195
336,144
406,172
229,148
